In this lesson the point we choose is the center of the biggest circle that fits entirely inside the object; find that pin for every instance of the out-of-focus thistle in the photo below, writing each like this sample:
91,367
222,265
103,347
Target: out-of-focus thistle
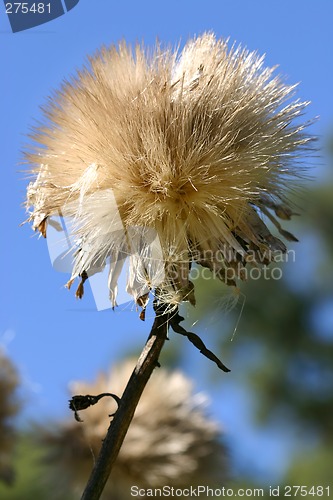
9,407
171,440
191,148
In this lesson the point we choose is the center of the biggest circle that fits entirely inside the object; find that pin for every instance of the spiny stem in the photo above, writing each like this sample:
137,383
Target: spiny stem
118,428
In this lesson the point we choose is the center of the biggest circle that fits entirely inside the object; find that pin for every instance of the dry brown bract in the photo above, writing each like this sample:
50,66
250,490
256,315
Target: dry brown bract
193,146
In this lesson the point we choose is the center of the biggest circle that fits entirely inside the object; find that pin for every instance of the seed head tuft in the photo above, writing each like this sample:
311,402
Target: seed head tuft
171,158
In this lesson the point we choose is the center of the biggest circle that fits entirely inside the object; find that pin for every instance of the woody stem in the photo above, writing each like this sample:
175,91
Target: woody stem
118,428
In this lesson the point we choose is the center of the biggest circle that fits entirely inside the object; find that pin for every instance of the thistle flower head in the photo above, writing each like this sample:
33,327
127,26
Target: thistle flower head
170,158
171,440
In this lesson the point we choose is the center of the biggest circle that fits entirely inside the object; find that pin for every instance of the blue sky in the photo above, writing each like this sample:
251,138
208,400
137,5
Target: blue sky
50,336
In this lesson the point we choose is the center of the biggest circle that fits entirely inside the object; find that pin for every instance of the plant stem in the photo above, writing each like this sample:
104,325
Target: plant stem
118,428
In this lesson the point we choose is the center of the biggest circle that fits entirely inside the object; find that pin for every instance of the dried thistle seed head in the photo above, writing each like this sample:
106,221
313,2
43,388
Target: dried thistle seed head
192,146
9,407
171,439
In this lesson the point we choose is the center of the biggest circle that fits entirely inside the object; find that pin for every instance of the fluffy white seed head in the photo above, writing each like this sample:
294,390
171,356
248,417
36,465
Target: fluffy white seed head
194,146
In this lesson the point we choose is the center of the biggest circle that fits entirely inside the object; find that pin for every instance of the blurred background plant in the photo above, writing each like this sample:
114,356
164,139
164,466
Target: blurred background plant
172,440
9,407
